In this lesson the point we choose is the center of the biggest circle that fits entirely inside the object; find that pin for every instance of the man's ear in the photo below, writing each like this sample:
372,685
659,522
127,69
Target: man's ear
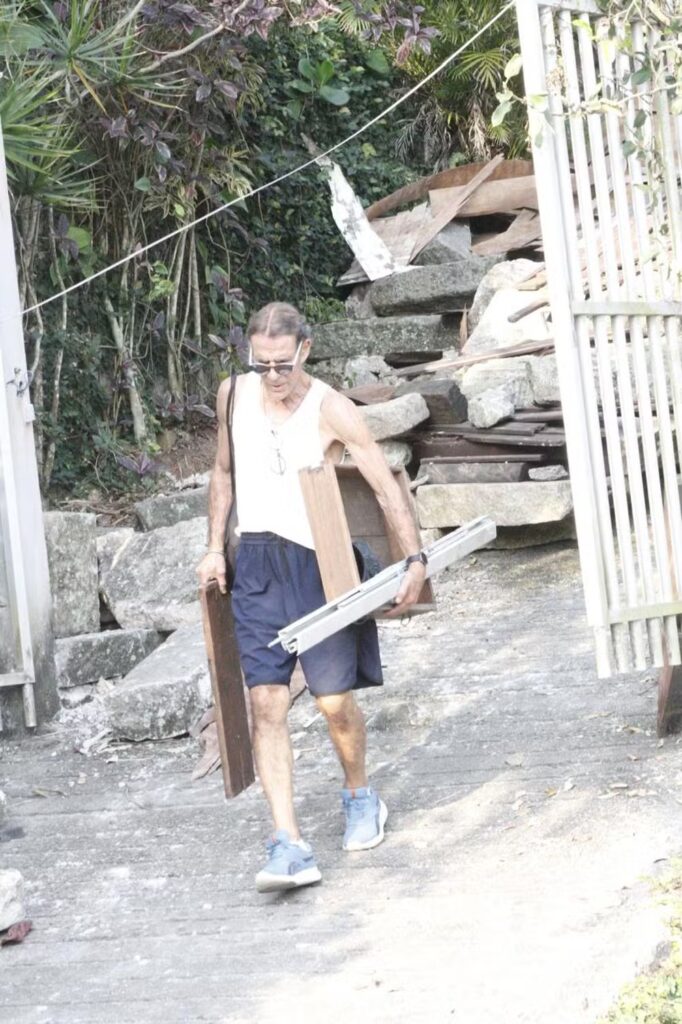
305,349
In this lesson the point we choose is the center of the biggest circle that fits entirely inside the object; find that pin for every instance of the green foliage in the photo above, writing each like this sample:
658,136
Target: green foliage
655,997
458,113
109,148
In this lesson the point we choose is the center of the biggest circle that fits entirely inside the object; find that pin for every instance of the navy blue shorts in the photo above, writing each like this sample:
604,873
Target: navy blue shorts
276,582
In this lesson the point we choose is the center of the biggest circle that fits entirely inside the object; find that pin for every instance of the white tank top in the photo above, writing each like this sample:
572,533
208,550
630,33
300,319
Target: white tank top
267,460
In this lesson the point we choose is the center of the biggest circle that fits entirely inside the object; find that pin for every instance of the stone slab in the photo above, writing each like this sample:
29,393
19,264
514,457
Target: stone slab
169,509
166,693
4,808
390,419
511,538
151,582
381,336
548,473
507,504
93,656
366,370
473,472
72,561
503,275
12,902
444,288
397,453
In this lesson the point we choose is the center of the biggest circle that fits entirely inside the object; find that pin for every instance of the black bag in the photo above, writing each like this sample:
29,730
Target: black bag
231,537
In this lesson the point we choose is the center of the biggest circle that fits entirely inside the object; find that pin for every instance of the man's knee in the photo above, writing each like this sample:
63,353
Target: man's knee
340,709
269,705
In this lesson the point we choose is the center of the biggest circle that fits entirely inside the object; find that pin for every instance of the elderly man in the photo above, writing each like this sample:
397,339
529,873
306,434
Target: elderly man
284,420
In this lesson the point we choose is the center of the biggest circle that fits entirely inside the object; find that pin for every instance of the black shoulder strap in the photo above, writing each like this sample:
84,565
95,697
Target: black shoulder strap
229,420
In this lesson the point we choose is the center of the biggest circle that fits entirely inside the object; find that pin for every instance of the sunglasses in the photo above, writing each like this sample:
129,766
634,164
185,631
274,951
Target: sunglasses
282,369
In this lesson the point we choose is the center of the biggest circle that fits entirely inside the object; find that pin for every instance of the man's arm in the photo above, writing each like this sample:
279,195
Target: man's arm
212,565
343,420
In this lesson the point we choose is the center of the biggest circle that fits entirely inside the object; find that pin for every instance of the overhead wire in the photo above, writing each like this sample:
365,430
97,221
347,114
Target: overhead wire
138,252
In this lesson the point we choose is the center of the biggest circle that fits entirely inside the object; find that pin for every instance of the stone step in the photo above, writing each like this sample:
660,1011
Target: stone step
93,656
507,504
381,336
446,288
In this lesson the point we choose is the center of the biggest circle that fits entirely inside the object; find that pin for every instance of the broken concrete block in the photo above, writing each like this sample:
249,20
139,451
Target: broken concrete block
548,473
494,329
390,419
451,244
503,275
397,453
446,402
165,693
513,373
358,303
444,288
544,379
92,656
151,582
492,406
12,905
507,504
72,561
381,335
169,509
366,370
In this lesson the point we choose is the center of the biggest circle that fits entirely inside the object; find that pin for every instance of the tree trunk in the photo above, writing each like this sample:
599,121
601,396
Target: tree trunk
127,366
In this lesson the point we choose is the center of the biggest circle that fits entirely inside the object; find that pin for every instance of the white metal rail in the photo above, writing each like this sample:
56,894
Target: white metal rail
616,302
380,590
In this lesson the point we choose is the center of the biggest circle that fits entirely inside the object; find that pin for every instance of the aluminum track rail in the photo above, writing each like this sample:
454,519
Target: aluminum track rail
380,591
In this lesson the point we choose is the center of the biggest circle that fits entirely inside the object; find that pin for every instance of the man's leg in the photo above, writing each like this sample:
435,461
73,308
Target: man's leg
273,753
365,813
346,725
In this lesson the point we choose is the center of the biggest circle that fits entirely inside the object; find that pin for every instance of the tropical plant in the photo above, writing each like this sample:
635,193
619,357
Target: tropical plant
456,115
124,123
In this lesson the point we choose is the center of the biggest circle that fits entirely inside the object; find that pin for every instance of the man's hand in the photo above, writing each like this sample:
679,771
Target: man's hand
212,567
409,592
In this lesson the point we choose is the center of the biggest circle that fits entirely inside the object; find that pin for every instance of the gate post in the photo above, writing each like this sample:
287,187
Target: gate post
26,567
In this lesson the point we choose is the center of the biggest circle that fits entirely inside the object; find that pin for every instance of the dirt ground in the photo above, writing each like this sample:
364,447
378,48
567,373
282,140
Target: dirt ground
530,804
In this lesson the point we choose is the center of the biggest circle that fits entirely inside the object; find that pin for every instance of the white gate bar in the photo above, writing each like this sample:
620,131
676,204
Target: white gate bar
624,220
567,352
648,436
555,73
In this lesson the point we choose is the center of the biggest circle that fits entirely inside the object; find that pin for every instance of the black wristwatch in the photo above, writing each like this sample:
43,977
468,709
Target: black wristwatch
419,557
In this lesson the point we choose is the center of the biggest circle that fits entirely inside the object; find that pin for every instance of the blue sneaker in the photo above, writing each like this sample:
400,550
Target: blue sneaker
366,816
289,865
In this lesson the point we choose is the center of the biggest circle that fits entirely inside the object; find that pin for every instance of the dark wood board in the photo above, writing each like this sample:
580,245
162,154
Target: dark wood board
228,690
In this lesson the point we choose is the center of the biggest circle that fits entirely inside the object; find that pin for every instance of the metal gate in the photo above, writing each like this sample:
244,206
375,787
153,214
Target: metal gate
608,155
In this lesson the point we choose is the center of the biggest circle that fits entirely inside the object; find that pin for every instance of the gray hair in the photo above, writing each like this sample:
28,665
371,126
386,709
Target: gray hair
276,320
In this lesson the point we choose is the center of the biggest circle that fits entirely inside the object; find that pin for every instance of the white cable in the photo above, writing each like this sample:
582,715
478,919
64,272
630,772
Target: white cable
269,184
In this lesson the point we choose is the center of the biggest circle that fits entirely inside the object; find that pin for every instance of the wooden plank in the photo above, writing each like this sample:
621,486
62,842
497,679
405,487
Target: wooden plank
228,690
492,197
524,230
367,521
669,717
451,178
333,544
526,348
450,208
